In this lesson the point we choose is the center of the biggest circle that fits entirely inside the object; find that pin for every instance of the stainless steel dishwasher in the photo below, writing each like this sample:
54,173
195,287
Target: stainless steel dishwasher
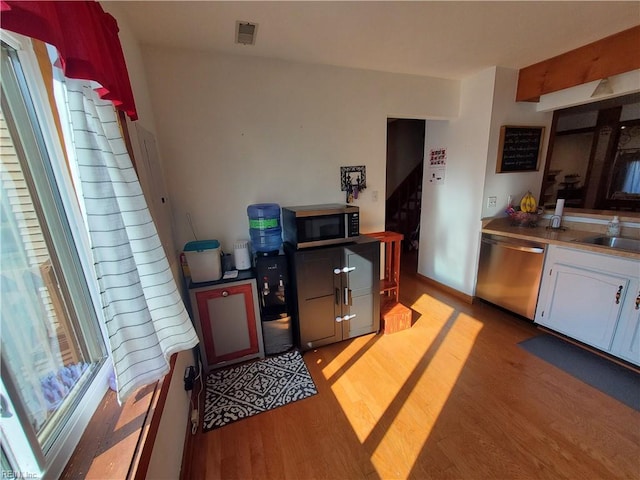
509,273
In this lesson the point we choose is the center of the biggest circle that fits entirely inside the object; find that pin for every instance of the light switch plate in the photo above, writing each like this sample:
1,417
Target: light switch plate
492,202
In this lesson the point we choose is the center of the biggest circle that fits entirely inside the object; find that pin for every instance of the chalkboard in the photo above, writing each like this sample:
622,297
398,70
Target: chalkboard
519,149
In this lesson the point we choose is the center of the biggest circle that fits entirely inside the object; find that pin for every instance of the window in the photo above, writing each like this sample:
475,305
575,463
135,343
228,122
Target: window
52,346
593,156
625,173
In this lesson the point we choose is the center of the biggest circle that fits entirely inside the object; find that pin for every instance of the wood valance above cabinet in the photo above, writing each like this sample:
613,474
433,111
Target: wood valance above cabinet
604,58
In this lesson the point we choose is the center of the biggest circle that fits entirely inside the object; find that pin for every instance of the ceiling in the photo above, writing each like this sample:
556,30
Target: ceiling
448,39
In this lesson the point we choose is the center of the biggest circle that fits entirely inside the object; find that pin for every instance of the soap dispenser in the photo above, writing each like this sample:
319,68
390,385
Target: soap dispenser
613,229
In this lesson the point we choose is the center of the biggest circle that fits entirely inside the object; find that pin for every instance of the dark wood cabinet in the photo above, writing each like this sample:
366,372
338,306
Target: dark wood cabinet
336,292
318,306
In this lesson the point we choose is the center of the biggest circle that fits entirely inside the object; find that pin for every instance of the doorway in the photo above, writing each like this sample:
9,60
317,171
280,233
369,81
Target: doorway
403,202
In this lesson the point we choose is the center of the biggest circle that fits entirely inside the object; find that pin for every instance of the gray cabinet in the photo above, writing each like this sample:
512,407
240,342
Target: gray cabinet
336,292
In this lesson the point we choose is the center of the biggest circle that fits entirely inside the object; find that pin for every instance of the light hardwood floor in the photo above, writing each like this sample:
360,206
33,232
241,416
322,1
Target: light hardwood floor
452,397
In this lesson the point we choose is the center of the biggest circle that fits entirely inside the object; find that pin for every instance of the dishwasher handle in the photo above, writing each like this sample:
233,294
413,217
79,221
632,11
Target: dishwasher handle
511,246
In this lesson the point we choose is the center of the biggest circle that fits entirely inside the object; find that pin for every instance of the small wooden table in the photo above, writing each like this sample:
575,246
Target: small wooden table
394,315
390,284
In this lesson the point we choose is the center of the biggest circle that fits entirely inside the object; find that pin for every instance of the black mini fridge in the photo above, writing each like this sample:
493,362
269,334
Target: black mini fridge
275,312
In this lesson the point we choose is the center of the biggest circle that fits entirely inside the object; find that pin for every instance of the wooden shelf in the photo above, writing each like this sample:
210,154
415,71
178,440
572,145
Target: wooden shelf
390,284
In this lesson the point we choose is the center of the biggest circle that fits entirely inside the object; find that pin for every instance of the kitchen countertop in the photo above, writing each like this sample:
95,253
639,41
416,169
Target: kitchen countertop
565,237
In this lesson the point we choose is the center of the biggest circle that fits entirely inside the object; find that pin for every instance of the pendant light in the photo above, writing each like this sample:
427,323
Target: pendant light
603,88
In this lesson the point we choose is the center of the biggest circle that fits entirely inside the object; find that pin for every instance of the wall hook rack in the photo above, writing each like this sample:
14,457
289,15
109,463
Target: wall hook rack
353,180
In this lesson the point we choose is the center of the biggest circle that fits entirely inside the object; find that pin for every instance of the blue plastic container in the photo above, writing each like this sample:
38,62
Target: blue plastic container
264,227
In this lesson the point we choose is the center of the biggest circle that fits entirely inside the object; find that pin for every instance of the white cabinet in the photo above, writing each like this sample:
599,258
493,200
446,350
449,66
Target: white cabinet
582,304
592,297
626,343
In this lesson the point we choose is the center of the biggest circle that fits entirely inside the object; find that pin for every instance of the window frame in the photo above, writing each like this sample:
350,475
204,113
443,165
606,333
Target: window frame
51,464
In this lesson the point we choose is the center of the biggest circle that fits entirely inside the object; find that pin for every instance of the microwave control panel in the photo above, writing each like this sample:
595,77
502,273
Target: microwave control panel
353,224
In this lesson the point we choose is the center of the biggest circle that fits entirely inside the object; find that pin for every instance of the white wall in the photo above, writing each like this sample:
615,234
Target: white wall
507,112
450,221
452,212
166,458
235,131
161,212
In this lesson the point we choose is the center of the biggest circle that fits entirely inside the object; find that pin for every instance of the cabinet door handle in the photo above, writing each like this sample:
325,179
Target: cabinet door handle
638,301
618,293
349,317
338,319
346,296
225,293
338,271
337,296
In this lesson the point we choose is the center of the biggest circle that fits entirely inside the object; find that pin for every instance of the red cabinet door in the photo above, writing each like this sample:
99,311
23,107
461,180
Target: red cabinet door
228,323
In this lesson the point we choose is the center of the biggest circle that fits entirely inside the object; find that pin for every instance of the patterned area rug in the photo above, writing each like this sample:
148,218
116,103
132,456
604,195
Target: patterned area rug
240,392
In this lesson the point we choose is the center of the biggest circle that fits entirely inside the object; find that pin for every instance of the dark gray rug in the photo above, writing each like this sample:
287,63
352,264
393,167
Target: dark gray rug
615,380
245,390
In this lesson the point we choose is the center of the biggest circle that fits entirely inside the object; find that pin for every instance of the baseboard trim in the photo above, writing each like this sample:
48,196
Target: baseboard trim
445,288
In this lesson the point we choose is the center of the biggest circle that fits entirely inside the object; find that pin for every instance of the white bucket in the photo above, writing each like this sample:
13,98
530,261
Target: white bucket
203,258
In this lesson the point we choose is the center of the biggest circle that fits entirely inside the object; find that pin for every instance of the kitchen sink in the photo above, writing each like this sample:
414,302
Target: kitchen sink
619,243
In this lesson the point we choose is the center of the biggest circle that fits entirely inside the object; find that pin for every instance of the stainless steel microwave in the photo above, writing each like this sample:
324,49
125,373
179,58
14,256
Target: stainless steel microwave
317,225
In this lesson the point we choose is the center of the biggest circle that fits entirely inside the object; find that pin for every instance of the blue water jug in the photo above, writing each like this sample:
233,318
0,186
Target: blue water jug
264,227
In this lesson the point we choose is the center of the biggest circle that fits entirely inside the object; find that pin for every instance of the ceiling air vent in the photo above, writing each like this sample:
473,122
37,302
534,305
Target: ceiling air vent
246,33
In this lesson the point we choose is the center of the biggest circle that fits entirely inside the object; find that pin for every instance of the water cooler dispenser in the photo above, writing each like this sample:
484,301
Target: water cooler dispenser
275,311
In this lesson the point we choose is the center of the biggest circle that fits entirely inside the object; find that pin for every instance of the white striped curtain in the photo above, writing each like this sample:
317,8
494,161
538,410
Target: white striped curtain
145,317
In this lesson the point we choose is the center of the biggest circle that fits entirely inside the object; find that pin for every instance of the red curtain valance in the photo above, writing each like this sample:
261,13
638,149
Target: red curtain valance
86,38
